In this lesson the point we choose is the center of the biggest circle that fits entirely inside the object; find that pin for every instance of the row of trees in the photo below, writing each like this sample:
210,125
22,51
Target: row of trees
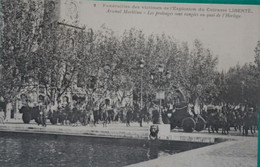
60,57
240,84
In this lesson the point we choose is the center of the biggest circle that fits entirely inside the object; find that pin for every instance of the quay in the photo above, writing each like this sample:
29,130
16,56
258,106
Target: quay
113,130
241,152
221,150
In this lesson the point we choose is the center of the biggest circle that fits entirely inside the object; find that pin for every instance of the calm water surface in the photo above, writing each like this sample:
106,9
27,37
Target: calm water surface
52,150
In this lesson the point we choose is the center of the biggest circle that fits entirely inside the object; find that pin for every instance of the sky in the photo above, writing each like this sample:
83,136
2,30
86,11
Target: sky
232,40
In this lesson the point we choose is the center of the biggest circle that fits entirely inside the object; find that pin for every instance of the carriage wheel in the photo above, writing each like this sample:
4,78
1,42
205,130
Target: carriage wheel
26,117
200,124
188,124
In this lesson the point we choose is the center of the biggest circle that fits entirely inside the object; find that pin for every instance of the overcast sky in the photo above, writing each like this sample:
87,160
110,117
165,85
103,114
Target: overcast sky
232,40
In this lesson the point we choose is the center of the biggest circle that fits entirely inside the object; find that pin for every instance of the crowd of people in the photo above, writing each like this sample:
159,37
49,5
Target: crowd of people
79,114
240,117
103,113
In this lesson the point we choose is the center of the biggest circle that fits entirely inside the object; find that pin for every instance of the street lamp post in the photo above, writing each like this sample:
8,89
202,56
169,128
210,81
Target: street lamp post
242,90
160,68
141,63
161,92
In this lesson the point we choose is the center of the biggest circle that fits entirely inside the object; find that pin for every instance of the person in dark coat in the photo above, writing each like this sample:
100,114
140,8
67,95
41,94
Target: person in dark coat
105,116
142,115
96,115
128,116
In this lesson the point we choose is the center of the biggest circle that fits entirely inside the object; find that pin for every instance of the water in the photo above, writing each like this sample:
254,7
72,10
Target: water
52,150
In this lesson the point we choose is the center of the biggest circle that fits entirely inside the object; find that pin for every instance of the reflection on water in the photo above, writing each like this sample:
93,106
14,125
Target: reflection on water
46,150
152,151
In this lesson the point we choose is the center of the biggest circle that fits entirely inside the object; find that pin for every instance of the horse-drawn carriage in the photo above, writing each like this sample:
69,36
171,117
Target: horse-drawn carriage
182,118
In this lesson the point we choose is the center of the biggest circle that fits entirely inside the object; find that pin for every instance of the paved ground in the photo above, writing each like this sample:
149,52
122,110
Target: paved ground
238,151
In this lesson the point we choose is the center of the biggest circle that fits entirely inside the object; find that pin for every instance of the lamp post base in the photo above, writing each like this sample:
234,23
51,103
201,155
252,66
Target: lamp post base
160,121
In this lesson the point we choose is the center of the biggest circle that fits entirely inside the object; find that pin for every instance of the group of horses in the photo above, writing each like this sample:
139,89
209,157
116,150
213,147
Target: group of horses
227,117
82,117
75,116
33,113
68,116
102,115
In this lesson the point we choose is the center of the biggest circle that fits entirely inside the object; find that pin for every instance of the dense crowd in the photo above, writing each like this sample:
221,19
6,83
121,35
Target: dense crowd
77,115
240,117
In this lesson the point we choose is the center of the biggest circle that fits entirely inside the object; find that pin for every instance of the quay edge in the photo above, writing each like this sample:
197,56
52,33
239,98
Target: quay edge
115,131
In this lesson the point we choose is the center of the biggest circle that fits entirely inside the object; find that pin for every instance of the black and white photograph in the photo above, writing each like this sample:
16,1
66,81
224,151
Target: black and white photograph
137,84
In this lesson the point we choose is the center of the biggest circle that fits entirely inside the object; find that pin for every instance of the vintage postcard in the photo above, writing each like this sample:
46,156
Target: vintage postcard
121,83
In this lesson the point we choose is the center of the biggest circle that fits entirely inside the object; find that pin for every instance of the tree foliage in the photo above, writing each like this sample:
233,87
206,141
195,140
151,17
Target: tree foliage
20,31
104,63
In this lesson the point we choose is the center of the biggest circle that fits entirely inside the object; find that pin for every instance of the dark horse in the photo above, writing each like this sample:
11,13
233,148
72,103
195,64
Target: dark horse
74,116
250,121
238,119
111,115
217,119
213,120
30,113
53,116
254,122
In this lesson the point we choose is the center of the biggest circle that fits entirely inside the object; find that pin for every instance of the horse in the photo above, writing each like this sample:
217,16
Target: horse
83,118
225,119
38,115
74,116
213,120
246,123
238,119
223,123
53,116
111,115
254,122
62,117
250,120
231,118
33,113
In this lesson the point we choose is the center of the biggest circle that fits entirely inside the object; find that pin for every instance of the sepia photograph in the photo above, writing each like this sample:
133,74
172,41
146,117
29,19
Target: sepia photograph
137,84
